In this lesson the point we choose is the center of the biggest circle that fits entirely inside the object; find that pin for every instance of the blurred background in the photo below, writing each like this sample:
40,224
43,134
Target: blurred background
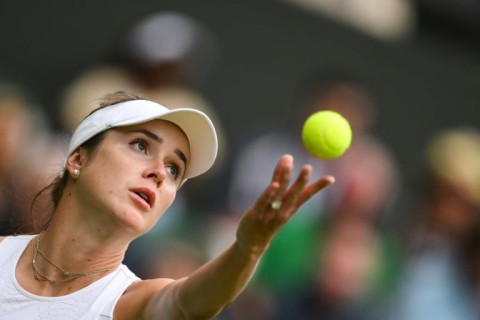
404,72
424,68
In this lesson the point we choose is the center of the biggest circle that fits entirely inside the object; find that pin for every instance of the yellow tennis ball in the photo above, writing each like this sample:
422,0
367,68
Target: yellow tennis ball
326,134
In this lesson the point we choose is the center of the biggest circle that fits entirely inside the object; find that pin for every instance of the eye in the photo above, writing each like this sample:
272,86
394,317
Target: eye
172,170
140,145
175,171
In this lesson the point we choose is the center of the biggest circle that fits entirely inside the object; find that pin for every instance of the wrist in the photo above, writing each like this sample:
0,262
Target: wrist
250,249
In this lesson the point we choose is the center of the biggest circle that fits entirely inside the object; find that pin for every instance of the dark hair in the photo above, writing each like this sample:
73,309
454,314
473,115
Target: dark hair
57,186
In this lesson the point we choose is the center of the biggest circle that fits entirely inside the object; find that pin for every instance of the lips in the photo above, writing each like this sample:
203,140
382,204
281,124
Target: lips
145,194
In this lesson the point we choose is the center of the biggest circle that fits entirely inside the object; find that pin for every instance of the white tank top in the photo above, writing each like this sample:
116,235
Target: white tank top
93,302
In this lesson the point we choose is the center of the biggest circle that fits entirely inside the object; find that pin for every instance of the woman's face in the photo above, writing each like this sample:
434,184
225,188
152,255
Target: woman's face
134,173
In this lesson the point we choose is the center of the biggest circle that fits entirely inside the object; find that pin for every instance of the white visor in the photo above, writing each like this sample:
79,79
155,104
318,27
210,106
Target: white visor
195,124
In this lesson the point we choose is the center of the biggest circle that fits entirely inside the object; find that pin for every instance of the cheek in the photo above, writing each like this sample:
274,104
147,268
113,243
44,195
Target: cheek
106,176
111,165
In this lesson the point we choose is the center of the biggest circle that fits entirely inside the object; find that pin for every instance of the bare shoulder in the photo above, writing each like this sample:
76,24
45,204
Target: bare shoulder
135,300
1,238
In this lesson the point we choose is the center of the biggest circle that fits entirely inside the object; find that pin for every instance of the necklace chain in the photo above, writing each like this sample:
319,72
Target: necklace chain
68,276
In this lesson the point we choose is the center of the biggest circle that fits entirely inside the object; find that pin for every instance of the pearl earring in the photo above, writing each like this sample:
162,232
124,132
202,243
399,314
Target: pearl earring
76,172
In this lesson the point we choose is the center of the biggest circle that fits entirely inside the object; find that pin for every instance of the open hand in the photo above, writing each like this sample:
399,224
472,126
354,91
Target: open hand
277,204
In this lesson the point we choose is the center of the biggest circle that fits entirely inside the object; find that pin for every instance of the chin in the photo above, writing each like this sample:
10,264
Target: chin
135,223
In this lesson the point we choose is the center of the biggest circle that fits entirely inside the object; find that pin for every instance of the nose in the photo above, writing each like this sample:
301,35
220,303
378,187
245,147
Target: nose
156,173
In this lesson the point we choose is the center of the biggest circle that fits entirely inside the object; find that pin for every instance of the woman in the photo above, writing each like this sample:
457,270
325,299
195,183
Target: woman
125,163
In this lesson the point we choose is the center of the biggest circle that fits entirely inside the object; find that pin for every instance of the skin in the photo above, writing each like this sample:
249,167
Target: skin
99,216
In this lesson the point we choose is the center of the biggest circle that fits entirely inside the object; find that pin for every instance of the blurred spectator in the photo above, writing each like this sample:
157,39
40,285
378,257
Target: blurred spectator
357,256
304,252
28,160
367,174
441,265
347,259
163,56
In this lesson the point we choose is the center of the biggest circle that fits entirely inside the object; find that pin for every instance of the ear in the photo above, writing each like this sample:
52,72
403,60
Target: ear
75,162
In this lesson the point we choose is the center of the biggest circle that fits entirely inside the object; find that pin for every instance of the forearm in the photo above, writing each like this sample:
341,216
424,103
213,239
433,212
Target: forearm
212,287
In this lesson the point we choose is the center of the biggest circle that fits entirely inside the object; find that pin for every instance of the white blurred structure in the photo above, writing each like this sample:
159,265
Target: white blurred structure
390,20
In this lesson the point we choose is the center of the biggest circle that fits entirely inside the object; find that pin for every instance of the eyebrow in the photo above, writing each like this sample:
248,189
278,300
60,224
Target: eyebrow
153,136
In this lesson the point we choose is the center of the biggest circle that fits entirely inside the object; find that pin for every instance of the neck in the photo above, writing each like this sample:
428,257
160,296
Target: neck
80,249
75,218
80,242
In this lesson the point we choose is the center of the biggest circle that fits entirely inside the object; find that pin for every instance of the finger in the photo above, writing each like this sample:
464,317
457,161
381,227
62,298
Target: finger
285,161
297,188
314,188
283,168
282,173
267,196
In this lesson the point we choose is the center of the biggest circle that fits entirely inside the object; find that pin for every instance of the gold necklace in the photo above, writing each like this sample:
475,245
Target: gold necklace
68,276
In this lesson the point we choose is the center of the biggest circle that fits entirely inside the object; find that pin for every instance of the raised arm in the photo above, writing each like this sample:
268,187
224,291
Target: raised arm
217,283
